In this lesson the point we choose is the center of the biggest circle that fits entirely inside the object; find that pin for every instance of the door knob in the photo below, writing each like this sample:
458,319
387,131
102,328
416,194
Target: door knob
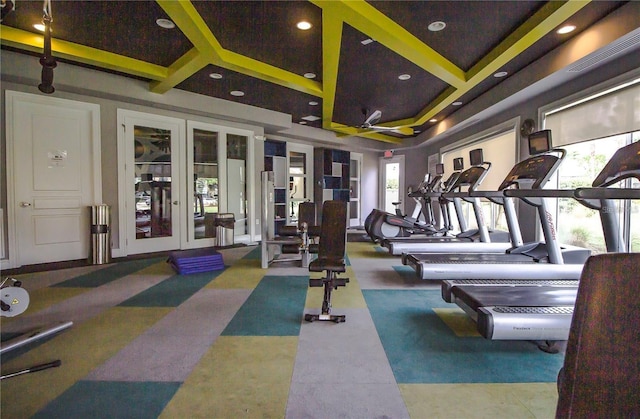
25,204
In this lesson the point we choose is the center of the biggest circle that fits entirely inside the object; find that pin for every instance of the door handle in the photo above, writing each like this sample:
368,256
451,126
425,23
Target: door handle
25,204
175,202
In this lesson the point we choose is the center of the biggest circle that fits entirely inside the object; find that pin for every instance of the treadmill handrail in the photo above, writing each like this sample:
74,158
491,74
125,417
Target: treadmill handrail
540,193
607,193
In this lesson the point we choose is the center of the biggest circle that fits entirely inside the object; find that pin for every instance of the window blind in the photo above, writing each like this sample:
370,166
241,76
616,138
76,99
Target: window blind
614,113
500,151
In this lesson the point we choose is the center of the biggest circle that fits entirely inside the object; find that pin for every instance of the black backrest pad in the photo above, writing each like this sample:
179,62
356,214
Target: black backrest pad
307,214
625,163
333,230
601,373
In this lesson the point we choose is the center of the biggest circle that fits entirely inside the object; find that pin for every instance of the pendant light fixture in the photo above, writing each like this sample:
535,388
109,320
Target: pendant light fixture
47,60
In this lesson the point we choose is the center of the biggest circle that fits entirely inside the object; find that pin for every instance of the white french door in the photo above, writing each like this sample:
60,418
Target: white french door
152,154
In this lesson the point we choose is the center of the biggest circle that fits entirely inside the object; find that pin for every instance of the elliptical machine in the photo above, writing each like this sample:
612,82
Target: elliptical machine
381,225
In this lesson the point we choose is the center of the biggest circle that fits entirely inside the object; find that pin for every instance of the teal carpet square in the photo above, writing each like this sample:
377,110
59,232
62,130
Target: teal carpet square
171,292
254,254
111,399
108,274
274,308
407,273
421,348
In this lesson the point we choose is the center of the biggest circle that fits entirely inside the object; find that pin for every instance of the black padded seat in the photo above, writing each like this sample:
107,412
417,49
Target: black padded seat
331,251
601,373
324,264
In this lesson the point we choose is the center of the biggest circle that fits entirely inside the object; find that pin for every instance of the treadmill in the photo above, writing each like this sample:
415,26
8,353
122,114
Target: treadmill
462,242
535,260
543,310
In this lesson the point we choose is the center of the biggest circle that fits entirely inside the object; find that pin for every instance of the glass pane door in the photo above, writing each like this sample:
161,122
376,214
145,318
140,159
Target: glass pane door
297,183
205,183
392,183
237,182
152,180
152,149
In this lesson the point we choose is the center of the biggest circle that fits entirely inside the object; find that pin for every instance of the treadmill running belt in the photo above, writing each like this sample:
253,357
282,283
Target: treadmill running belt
484,258
476,297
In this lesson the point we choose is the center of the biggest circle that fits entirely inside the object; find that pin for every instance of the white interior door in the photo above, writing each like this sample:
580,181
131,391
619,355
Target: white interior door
392,183
154,190
54,169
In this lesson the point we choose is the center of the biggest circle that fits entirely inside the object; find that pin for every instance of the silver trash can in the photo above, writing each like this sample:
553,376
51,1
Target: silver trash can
224,223
100,230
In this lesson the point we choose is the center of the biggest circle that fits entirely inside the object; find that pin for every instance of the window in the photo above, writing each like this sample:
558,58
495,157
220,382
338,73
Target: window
591,129
576,224
500,151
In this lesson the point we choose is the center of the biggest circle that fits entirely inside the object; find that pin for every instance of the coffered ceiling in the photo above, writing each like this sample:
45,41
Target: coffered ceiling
357,57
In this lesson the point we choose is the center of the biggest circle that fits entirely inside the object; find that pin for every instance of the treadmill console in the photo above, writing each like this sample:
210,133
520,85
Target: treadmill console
533,172
439,169
458,164
472,177
624,164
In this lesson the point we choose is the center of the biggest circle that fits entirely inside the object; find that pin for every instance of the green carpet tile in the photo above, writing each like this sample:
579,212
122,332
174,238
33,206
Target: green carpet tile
173,291
421,348
108,274
407,273
274,308
254,254
110,399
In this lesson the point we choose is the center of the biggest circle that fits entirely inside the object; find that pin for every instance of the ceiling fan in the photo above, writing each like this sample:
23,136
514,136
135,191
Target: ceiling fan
370,122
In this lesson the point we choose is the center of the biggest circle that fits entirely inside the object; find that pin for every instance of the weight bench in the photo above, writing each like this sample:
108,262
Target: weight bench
601,373
331,250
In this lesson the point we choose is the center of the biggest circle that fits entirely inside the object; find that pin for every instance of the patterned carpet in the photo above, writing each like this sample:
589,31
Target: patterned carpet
232,343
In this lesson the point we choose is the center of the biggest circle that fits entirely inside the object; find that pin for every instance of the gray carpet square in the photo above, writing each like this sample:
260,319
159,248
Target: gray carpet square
349,352
346,400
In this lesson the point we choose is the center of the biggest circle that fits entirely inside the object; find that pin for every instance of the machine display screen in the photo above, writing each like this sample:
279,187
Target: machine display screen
458,163
476,157
539,142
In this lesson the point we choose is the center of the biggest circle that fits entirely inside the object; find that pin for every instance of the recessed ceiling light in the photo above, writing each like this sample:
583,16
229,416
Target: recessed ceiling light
433,120
436,26
302,122
303,25
566,29
500,74
310,75
313,103
456,104
404,76
39,26
367,41
165,23
237,93
216,76
310,118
